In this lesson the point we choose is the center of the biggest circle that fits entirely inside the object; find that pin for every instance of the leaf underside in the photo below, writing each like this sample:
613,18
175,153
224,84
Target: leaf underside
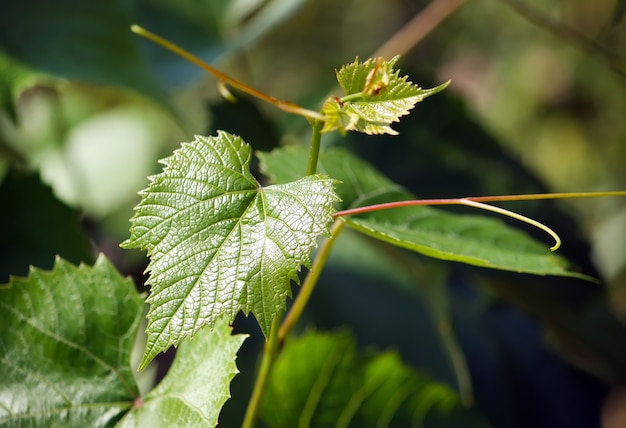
376,96
66,336
472,239
218,242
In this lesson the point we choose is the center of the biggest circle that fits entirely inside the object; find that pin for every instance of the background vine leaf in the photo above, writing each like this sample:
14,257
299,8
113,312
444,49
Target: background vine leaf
65,341
219,242
376,96
339,387
472,239
196,386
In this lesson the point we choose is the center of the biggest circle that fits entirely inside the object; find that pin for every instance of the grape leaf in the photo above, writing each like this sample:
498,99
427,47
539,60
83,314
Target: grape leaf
195,387
219,242
376,96
476,240
338,387
65,341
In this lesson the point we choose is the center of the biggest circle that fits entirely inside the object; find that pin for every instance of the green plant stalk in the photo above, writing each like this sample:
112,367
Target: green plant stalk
314,152
270,352
310,282
279,332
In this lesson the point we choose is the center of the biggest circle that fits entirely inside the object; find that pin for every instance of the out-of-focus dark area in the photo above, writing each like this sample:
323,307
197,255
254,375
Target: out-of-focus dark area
537,104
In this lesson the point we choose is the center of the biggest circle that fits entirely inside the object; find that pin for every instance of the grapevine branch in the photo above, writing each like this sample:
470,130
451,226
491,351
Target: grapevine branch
223,78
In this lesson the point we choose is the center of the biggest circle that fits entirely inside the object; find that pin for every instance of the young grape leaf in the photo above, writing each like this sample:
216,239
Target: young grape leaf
65,341
476,240
338,387
195,387
219,242
376,96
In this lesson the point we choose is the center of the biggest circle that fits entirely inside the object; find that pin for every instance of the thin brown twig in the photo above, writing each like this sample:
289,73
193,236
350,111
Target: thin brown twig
417,28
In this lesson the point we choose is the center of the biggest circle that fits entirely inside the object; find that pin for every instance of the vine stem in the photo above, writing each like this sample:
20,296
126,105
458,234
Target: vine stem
223,78
478,202
270,352
314,151
279,332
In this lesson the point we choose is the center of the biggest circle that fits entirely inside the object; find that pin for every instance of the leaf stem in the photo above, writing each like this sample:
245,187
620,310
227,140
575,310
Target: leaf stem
270,352
309,282
314,152
223,78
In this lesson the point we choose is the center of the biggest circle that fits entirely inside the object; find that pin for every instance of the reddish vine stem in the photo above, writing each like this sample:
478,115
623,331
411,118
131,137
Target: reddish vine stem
478,202
457,201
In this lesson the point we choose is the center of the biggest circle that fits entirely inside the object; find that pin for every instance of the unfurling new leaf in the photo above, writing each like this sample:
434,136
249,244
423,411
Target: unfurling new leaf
376,96
219,242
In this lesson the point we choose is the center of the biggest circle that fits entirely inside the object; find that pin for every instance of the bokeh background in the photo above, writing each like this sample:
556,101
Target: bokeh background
537,103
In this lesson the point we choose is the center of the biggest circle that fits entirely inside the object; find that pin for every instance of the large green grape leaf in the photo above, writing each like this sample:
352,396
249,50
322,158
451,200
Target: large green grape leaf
196,385
338,387
476,240
376,96
219,242
65,341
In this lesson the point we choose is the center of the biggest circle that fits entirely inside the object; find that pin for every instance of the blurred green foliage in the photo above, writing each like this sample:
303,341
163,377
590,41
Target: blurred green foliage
535,105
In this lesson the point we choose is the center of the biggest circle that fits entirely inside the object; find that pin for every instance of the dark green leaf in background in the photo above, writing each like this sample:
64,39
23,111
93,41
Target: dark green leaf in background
319,380
219,242
476,240
65,341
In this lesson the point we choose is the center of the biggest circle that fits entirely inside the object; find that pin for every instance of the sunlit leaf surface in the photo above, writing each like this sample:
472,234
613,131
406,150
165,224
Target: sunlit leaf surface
376,96
219,242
